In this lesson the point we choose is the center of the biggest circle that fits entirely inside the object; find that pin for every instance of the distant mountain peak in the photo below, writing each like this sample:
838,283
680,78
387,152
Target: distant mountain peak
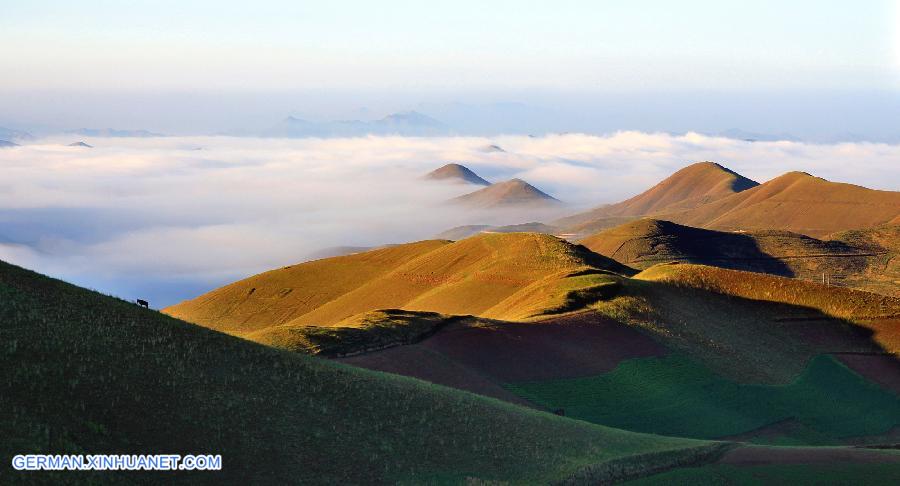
456,173
511,193
411,118
80,144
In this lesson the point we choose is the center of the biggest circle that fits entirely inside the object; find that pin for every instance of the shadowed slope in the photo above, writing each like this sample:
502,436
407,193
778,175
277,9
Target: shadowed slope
456,173
511,193
690,187
88,374
472,276
756,324
857,259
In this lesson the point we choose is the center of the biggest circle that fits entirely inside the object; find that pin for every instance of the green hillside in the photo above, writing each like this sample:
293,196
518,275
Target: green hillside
672,395
86,373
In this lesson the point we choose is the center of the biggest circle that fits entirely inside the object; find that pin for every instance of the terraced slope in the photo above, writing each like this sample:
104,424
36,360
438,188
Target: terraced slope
859,259
502,276
86,373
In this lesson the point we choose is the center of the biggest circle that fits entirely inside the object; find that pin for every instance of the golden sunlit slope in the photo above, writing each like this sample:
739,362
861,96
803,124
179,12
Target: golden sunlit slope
511,193
797,202
690,187
472,276
277,296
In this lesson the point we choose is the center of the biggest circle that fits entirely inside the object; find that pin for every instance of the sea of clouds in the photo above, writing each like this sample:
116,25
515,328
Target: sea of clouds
166,219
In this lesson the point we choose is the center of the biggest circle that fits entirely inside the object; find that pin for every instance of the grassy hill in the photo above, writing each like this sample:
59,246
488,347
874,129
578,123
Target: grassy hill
860,259
507,194
707,195
501,276
690,187
86,373
797,202
686,350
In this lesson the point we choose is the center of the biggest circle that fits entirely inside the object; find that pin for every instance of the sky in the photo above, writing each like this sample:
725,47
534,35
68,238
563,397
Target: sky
594,101
166,219
191,67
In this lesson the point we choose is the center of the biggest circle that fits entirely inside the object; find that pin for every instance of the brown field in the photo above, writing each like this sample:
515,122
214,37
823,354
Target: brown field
479,354
879,368
758,455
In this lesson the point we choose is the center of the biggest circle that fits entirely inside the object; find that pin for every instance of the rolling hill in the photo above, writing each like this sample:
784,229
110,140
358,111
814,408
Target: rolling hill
87,373
494,275
456,173
707,195
506,194
692,186
861,259
765,358
797,202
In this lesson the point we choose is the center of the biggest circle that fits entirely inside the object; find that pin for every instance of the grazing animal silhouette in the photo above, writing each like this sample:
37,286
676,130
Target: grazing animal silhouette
560,411
143,303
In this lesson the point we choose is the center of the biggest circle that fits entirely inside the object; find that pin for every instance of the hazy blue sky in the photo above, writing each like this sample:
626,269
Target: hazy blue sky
395,54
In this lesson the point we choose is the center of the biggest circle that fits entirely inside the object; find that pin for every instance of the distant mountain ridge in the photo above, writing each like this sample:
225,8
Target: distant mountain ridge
112,132
411,123
10,134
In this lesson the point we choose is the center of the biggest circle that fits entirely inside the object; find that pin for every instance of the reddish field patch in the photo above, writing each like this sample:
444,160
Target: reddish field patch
765,455
420,362
585,344
879,368
478,355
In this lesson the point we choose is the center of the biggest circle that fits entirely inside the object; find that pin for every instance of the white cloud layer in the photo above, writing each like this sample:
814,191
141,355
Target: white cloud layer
168,218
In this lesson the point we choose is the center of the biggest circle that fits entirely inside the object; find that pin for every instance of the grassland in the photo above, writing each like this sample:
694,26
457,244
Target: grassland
86,373
673,395
503,276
